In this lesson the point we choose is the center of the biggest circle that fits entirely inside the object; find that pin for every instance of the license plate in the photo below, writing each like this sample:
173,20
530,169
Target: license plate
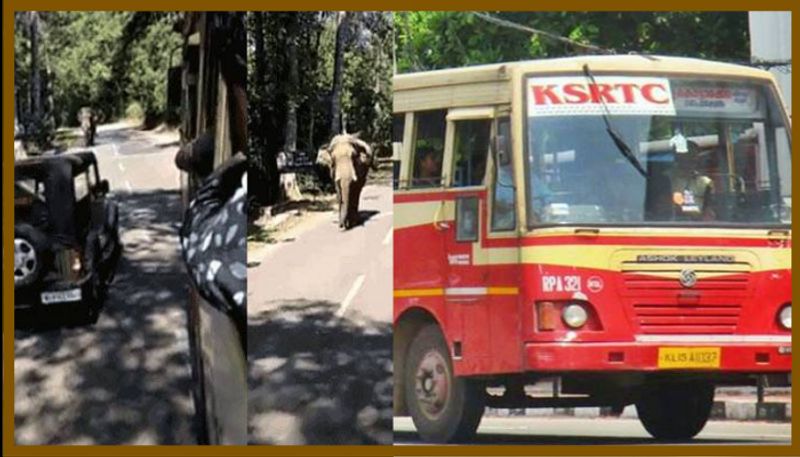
61,296
689,357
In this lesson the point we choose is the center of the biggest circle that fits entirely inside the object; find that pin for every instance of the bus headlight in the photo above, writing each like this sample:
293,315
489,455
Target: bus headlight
575,315
785,317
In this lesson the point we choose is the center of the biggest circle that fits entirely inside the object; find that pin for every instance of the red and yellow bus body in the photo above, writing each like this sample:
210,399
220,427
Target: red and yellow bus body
497,299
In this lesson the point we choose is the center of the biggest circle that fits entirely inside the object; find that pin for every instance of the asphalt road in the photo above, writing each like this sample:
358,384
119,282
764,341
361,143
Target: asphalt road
319,330
126,379
572,430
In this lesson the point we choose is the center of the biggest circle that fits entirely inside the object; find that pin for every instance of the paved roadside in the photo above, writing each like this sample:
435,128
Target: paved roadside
319,330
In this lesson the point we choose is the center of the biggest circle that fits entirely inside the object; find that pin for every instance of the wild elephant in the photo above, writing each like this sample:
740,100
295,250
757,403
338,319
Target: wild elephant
349,160
88,120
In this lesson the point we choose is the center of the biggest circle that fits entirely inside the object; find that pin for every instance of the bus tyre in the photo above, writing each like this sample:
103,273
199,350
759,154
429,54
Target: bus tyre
444,408
676,411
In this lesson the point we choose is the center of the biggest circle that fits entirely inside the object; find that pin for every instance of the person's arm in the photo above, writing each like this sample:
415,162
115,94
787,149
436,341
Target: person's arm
197,156
708,201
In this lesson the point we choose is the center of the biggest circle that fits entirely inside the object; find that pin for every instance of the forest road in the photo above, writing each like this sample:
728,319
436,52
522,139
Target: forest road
125,379
319,330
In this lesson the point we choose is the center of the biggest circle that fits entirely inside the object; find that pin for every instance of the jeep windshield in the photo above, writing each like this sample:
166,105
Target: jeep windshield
714,152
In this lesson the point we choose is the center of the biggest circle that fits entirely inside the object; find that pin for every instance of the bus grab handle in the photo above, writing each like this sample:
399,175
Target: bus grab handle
436,223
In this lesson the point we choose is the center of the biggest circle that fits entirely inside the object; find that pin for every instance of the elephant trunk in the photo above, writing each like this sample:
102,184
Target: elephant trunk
343,189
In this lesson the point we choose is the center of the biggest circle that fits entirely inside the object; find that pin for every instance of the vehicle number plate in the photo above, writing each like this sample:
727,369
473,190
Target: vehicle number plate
61,296
689,357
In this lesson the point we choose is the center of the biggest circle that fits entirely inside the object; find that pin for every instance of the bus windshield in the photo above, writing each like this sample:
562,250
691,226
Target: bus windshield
712,152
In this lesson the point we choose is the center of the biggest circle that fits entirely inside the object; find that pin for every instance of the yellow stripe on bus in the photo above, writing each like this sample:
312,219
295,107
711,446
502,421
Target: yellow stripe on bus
404,293
503,290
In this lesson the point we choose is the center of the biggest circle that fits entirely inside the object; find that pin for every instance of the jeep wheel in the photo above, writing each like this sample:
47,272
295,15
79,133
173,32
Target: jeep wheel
113,263
29,250
445,408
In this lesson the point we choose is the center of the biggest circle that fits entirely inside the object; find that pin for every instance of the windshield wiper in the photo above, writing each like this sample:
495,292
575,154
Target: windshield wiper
621,145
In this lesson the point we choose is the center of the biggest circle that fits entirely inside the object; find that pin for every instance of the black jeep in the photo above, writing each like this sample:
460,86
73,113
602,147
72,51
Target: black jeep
66,235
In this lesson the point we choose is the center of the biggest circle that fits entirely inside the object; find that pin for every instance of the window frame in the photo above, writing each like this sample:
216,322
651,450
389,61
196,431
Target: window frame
495,167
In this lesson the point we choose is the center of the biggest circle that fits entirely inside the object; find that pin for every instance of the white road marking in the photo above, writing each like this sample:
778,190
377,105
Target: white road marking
350,296
382,215
128,186
388,238
121,167
115,148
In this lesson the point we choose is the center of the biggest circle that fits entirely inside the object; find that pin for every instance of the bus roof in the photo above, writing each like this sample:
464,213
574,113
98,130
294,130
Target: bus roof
598,64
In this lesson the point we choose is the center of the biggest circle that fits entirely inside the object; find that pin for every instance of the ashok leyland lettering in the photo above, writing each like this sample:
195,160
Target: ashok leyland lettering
620,223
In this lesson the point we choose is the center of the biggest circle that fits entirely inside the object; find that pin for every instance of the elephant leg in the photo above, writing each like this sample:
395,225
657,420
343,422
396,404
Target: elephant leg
357,188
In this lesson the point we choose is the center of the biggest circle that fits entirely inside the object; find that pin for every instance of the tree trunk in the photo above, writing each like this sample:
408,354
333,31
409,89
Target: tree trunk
343,20
290,130
290,188
272,178
260,57
36,80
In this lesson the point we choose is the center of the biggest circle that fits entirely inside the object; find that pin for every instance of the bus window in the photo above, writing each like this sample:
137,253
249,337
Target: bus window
503,211
467,219
428,148
470,149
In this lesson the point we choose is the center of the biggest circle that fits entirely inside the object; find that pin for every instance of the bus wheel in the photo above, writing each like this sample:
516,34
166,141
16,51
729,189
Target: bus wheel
444,408
676,411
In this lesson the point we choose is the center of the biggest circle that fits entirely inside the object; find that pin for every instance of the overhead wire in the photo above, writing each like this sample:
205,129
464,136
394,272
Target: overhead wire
524,28
783,66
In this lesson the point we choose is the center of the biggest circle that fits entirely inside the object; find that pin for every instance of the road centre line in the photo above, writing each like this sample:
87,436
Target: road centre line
351,294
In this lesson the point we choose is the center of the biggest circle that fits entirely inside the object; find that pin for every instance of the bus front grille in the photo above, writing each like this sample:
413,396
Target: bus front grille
671,318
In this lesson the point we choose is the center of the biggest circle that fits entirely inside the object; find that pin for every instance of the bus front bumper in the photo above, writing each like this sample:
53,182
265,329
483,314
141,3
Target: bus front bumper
726,356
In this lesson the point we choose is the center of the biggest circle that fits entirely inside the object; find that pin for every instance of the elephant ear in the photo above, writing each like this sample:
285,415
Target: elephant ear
324,157
363,147
362,144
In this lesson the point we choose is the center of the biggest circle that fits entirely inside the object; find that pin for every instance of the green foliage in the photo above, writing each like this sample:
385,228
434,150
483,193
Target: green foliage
432,40
77,49
134,111
144,71
367,97
107,60
366,89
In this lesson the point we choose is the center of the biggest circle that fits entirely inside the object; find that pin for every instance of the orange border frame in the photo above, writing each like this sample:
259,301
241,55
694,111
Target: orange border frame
9,448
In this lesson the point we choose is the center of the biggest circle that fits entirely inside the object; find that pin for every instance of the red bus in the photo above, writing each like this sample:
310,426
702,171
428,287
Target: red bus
619,223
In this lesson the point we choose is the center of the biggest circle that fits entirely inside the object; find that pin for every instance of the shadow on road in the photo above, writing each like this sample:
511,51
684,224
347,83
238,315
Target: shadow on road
124,380
312,205
316,378
168,144
365,216
517,439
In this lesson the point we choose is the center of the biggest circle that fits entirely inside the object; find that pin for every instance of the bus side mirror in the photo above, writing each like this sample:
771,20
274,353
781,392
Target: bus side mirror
502,141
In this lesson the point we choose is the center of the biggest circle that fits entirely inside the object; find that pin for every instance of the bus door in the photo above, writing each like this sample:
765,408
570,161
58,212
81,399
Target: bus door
467,146
501,252
420,206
